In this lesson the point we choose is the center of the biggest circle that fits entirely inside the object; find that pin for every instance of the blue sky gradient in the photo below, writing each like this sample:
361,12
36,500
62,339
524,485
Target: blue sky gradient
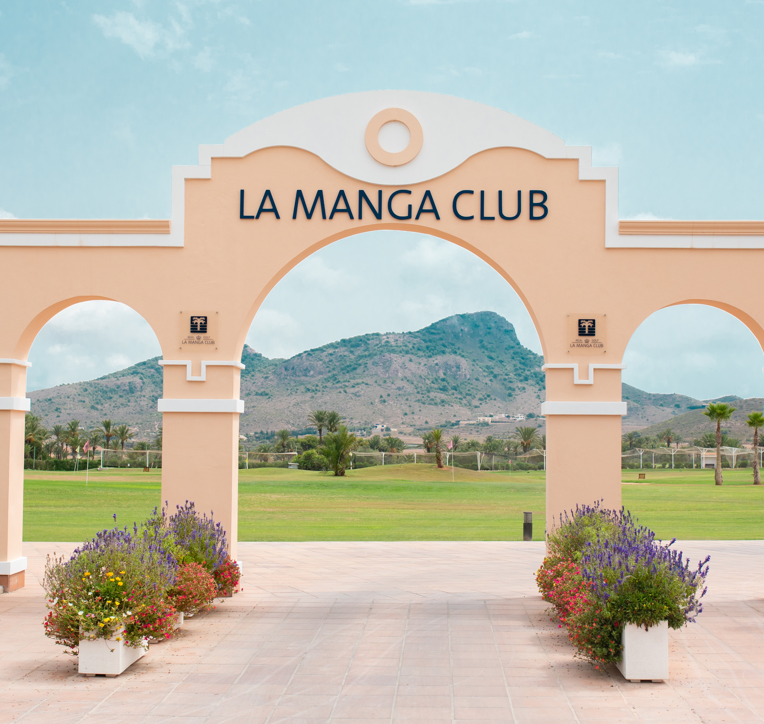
98,101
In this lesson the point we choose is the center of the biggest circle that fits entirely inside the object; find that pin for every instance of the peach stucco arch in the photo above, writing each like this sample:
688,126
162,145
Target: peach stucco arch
293,262
566,254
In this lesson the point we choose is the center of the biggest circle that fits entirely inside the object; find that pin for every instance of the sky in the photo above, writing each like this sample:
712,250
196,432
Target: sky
99,100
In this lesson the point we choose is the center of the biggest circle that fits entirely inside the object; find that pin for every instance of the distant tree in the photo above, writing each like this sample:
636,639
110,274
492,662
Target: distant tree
123,434
455,440
73,436
317,419
526,436
35,434
393,444
108,432
309,442
718,412
492,445
427,442
471,446
333,421
141,445
59,441
756,421
437,441
631,439
95,438
158,440
668,436
375,442
337,448
708,439
284,440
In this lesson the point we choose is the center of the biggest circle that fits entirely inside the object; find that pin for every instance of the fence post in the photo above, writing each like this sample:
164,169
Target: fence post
478,460
527,526
383,459
414,458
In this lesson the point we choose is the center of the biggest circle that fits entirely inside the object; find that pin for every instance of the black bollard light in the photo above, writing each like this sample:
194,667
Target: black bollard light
527,526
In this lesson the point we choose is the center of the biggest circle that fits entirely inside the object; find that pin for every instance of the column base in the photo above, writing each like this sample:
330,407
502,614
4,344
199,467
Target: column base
12,582
12,574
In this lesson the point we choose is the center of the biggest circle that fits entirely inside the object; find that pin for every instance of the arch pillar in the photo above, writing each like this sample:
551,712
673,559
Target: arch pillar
583,424
13,407
200,440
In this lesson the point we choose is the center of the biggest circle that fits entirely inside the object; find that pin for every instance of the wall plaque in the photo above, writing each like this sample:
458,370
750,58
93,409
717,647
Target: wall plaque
198,330
587,333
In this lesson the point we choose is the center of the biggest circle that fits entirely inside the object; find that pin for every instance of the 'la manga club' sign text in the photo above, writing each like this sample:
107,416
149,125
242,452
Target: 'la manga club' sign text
466,205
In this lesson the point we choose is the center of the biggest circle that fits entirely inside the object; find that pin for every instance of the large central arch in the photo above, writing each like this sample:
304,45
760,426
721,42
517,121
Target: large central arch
251,210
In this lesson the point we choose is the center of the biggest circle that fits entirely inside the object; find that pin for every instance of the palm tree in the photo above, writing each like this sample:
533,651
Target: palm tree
317,419
667,436
455,440
95,438
492,445
108,432
337,448
756,421
437,440
123,434
427,442
284,438
718,412
527,437
34,433
632,438
59,436
333,421
72,436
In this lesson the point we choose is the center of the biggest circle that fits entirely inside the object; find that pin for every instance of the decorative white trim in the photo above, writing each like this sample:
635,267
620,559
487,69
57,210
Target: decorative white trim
19,362
22,404
196,405
574,366
701,241
8,568
583,408
203,376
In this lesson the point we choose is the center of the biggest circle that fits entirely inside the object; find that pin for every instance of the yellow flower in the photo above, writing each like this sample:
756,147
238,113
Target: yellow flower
109,573
120,583
122,572
118,578
101,625
87,573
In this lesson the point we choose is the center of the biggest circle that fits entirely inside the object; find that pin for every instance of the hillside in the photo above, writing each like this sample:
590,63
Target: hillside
461,367
693,424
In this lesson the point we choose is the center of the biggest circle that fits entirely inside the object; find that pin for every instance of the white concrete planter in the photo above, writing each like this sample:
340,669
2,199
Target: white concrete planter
107,656
645,653
178,620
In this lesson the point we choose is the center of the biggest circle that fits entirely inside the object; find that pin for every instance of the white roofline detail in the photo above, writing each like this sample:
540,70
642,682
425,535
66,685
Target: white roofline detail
574,366
334,128
203,376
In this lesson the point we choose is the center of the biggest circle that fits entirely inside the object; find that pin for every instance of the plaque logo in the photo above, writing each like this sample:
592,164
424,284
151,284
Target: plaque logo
199,325
587,328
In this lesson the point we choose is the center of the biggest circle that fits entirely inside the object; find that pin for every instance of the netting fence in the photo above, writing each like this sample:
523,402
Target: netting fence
690,458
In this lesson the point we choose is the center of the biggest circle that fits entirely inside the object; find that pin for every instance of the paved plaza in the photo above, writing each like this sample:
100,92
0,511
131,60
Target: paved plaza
392,632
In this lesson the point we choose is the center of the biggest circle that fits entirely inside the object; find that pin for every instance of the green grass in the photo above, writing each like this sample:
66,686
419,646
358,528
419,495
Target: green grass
395,502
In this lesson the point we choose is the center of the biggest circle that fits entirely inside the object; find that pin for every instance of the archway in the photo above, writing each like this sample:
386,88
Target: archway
506,189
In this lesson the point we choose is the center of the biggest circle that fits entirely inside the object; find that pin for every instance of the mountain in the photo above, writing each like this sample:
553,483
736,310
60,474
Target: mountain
459,368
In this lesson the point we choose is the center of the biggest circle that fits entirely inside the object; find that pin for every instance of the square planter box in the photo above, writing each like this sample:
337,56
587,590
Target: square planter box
106,656
645,653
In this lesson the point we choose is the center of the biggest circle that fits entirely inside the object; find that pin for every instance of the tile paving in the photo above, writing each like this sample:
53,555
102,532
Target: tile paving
392,632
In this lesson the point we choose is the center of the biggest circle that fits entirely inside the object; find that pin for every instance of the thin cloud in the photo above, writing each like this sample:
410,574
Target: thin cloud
204,61
524,35
609,154
610,56
676,59
6,214
145,37
647,216
6,72
341,68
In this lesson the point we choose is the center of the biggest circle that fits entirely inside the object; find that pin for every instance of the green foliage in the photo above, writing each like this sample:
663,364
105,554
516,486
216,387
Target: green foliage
312,460
337,448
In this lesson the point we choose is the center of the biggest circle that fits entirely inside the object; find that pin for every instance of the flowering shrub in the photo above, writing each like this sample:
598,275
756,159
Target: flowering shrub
194,588
227,577
112,587
190,537
604,571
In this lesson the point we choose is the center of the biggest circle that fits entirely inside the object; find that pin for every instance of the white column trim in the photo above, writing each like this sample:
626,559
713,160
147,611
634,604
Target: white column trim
19,362
570,407
22,404
574,366
205,363
196,405
8,568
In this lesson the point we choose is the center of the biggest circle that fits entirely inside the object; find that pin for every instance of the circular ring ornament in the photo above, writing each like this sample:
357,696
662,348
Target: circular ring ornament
401,157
